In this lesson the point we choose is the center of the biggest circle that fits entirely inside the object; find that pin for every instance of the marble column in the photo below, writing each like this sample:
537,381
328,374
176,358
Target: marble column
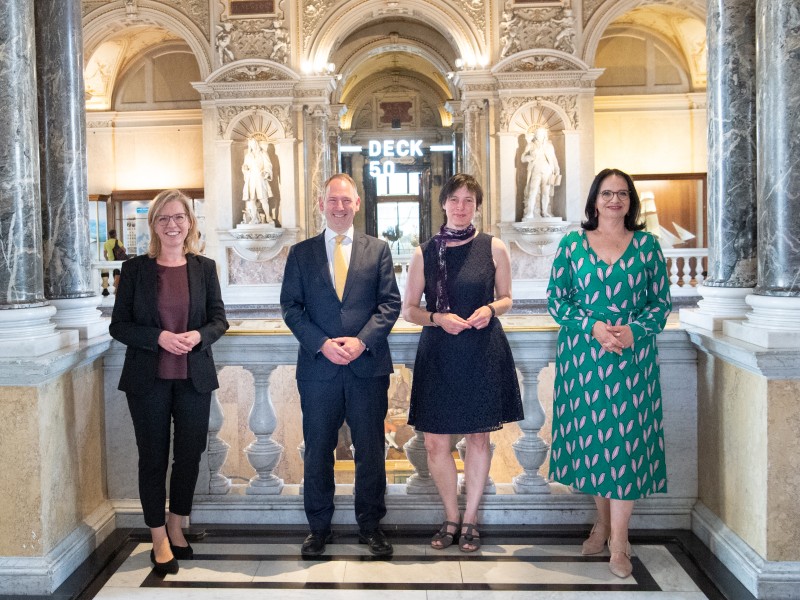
731,31
775,318
318,167
64,191
473,144
25,325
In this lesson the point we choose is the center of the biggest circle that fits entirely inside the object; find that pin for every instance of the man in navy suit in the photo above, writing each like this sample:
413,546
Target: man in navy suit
343,364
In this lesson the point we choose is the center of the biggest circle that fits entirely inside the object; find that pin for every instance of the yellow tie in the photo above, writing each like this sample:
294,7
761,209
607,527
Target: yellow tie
339,267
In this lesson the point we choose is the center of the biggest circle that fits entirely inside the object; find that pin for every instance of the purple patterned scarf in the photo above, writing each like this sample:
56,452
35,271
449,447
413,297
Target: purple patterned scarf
440,240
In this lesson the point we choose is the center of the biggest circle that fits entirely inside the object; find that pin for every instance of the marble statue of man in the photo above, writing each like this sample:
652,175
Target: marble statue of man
543,175
255,192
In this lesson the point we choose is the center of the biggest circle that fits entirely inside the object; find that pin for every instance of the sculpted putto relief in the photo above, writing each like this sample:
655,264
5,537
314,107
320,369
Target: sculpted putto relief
528,28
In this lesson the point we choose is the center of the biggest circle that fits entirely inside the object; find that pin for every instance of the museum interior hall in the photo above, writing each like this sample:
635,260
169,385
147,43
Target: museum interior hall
248,107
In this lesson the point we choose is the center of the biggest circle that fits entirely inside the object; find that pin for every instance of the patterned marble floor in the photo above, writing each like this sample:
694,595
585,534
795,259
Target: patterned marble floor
512,565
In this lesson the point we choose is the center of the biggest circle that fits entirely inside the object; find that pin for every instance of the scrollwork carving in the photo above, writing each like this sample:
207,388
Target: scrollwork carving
313,11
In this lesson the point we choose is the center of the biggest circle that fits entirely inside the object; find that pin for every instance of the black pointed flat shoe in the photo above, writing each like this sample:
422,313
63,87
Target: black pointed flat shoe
181,552
166,568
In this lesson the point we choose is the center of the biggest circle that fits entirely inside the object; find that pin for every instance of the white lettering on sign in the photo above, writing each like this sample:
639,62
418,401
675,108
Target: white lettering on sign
391,148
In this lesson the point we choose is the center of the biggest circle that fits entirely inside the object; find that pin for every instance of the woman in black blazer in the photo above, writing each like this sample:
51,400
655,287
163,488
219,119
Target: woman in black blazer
168,311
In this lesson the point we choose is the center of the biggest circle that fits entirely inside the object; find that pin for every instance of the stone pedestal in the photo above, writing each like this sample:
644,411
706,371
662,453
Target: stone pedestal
81,314
773,323
719,304
27,332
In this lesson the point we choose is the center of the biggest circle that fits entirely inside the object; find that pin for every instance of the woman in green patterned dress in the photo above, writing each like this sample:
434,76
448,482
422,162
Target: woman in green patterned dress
609,291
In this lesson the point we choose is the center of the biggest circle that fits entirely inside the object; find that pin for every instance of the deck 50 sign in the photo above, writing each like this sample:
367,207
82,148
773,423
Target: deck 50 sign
389,149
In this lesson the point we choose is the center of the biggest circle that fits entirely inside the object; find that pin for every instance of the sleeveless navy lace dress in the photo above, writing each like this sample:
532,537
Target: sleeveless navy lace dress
464,383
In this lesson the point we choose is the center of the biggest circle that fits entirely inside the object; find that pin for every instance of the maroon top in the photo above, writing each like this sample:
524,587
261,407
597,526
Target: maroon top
173,310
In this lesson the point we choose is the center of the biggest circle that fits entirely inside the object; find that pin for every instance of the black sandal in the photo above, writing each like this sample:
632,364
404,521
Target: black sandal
470,536
445,537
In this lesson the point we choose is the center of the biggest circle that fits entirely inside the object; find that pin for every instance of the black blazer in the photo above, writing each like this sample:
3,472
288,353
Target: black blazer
135,322
368,310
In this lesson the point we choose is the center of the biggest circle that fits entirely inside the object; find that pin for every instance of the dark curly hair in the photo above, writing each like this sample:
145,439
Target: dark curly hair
632,216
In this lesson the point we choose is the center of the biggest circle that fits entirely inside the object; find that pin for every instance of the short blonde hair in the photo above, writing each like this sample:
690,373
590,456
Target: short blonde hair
191,243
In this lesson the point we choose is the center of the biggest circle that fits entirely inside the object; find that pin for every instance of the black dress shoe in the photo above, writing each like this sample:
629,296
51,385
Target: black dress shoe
377,542
181,552
314,544
166,568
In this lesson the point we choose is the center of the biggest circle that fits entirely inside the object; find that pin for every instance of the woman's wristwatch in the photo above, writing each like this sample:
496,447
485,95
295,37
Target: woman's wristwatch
491,308
432,321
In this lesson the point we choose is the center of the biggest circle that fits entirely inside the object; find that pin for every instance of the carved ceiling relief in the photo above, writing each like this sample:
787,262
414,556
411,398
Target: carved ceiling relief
252,38
477,14
589,8
196,10
88,6
530,28
313,11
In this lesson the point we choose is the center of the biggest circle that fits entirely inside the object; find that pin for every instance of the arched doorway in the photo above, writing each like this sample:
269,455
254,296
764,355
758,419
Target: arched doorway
396,136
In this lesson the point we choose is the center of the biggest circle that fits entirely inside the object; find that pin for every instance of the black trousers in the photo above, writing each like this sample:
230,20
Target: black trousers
169,401
326,405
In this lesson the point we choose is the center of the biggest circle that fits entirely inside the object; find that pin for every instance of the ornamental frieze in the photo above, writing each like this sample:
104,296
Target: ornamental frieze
538,63
252,73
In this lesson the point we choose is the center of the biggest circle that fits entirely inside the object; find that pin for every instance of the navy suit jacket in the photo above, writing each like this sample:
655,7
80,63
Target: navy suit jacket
368,310
135,321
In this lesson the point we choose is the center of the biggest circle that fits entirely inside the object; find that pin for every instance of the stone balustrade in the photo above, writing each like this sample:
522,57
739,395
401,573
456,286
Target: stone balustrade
261,347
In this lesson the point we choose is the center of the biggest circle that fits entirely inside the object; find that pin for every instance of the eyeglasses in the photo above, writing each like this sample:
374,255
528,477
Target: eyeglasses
179,219
608,194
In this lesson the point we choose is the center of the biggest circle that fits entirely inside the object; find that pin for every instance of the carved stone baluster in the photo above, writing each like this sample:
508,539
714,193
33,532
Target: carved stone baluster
217,449
420,482
530,449
264,453
673,271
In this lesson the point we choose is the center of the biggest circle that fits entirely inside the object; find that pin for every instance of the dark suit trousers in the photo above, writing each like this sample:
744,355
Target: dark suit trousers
152,414
363,403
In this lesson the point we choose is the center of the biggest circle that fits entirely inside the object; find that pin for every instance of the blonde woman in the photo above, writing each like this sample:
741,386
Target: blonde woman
168,311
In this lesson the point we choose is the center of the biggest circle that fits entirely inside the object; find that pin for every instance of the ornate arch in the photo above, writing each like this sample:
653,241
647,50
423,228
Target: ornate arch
609,11
466,39
104,22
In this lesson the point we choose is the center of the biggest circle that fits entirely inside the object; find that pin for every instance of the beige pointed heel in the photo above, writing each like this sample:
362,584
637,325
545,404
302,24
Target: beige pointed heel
620,563
596,542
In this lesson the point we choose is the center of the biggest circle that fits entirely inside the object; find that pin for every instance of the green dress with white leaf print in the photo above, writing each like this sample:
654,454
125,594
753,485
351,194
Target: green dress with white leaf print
607,419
